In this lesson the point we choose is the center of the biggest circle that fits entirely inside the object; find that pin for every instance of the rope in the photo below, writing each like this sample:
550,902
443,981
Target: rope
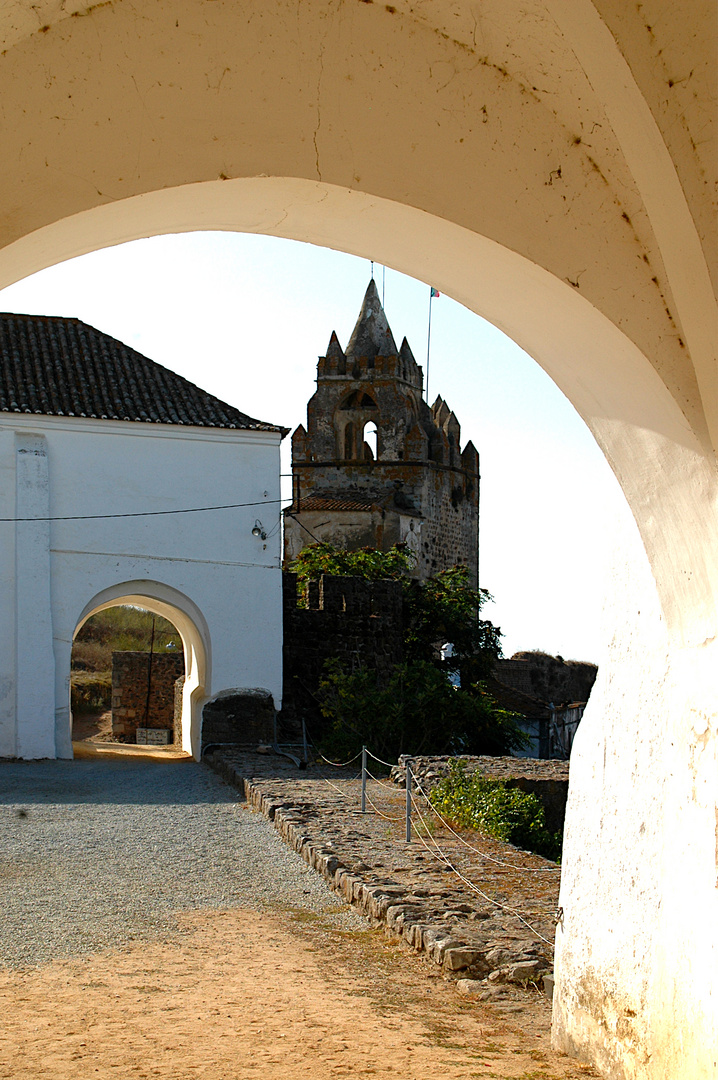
340,765
442,857
376,810
382,783
485,854
342,793
389,764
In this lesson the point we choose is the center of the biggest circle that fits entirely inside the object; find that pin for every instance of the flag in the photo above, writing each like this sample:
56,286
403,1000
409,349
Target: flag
434,293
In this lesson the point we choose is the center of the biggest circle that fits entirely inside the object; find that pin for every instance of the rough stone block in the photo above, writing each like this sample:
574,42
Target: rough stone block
458,959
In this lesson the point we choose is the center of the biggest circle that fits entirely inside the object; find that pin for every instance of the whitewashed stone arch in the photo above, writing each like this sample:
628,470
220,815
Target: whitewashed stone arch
548,163
193,630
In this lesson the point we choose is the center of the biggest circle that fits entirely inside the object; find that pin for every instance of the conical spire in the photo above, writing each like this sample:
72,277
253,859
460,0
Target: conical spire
334,349
371,336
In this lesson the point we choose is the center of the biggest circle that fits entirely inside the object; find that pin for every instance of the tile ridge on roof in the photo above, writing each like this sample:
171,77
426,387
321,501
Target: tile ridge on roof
178,405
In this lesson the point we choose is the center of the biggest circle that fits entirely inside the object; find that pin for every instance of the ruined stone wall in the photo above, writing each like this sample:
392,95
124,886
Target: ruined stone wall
358,621
548,678
130,676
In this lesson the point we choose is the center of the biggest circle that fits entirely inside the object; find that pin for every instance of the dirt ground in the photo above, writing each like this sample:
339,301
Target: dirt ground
92,727
240,995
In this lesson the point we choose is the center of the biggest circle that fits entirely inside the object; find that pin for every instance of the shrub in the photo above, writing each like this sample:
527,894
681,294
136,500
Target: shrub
415,710
506,813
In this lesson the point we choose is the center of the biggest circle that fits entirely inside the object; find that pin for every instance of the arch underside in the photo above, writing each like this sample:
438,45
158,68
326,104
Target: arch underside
526,158
551,165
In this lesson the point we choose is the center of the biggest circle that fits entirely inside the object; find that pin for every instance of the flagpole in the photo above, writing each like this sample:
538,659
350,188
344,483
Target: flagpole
428,345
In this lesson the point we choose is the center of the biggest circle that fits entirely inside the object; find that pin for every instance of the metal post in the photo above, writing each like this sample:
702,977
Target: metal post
363,779
408,800
305,748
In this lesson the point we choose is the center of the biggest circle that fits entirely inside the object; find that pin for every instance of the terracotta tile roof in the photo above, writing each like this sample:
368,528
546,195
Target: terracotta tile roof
63,367
330,502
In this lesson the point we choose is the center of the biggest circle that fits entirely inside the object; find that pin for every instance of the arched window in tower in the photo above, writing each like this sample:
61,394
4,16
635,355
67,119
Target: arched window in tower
349,441
370,442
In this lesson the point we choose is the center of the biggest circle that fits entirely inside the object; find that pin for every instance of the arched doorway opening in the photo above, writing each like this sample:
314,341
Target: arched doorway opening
181,614
126,675
370,442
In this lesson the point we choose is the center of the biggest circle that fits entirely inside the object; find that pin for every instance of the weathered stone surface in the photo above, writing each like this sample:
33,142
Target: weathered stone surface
244,716
143,692
459,959
413,894
524,971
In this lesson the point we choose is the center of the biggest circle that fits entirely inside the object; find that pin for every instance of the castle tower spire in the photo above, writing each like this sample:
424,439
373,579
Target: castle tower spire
375,465
372,334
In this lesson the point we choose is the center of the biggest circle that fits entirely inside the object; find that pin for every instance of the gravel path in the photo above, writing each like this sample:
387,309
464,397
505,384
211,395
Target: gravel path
97,853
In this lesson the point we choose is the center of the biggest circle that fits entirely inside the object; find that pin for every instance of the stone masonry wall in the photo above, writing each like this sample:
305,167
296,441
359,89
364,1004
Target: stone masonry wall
358,621
450,530
130,675
547,678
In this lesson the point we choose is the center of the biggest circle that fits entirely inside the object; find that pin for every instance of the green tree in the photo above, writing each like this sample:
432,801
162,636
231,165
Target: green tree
415,708
444,608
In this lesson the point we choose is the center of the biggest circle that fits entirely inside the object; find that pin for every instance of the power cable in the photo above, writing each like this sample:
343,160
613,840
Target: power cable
142,513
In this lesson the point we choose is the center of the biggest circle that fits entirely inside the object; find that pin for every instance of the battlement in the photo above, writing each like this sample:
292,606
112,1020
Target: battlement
385,467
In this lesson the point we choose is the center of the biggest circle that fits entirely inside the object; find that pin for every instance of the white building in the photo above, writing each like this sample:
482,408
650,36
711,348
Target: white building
104,456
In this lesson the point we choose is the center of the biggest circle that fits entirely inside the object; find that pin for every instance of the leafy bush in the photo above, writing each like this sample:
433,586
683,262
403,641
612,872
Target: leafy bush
415,709
506,813
369,563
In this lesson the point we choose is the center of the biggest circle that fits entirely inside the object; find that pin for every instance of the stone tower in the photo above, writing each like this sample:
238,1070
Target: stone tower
376,466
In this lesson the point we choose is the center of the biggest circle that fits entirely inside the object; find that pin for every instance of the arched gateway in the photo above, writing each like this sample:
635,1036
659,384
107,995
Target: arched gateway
193,630
549,163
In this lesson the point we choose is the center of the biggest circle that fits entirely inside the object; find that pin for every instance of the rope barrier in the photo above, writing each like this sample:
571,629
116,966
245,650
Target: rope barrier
342,793
379,812
343,764
382,783
389,764
485,854
442,857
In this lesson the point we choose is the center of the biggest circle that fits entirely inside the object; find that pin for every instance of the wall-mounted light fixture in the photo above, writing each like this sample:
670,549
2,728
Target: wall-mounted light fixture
258,529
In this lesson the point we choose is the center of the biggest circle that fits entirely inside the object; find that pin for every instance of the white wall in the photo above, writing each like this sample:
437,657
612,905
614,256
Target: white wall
219,580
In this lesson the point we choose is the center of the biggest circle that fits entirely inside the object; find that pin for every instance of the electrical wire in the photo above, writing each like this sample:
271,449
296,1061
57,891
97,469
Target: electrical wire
142,513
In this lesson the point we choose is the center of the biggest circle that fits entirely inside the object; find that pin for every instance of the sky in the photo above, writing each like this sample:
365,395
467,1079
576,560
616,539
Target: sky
246,316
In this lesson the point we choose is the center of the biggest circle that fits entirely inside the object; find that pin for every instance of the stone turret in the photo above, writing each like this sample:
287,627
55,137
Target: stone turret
375,465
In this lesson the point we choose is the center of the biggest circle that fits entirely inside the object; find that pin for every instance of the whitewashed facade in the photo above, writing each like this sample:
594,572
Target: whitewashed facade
206,571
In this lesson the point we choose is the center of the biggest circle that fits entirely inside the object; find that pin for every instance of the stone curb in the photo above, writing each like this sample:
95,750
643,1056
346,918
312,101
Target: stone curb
381,904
